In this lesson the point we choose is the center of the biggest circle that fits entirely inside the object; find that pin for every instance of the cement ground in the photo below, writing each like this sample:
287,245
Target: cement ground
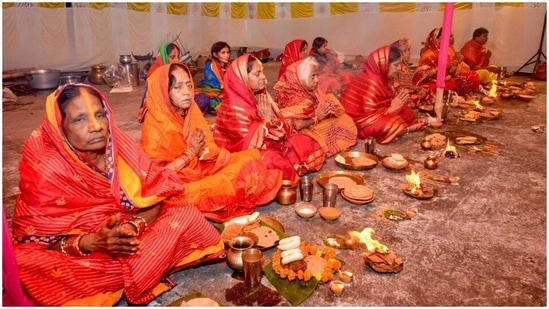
480,243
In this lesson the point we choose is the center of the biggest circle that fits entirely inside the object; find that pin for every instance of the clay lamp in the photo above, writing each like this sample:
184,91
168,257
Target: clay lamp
450,151
337,287
346,276
377,255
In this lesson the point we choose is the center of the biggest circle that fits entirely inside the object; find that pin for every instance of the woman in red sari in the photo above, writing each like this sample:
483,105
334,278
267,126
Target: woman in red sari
378,109
293,52
330,77
250,119
459,77
96,220
311,111
222,185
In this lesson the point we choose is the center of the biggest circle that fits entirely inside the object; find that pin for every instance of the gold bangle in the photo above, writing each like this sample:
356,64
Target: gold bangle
63,244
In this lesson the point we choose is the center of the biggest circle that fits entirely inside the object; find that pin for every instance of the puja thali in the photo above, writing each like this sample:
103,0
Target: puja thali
356,160
265,232
454,135
324,177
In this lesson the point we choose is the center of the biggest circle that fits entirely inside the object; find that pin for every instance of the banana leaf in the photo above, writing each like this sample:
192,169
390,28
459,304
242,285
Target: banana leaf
296,291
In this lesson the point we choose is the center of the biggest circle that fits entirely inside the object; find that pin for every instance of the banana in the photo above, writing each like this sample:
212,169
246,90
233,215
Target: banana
289,243
287,253
253,217
292,258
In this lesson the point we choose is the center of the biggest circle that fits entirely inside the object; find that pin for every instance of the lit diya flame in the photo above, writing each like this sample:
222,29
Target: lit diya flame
476,102
414,181
493,89
450,150
365,237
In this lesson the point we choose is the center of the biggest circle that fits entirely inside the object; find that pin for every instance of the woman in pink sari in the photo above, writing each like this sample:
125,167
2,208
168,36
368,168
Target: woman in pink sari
378,109
250,119
293,52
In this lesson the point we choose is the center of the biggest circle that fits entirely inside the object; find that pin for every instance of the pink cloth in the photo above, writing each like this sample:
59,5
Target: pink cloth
13,294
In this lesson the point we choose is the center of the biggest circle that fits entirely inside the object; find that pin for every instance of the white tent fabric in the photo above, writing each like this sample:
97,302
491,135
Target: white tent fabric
79,37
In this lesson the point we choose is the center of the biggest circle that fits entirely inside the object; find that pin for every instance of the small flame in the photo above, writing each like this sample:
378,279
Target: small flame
450,150
477,104
493,89
414,181
365,237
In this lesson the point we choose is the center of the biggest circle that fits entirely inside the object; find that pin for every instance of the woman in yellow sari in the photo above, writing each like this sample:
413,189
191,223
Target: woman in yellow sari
175,133
312,112
96,220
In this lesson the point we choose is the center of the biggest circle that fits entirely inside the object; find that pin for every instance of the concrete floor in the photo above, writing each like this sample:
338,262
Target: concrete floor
480,243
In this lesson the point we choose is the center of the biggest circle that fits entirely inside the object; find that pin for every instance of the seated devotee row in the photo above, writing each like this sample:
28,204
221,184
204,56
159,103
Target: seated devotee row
95,204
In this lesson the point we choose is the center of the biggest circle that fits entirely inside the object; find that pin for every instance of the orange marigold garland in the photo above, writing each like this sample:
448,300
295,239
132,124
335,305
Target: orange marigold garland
327,253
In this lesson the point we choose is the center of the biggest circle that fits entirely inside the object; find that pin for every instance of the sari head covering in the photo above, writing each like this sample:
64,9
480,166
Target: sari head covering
222,185
238,127
164,135
369,96
63,193
298,99
402,44
462,79
291,54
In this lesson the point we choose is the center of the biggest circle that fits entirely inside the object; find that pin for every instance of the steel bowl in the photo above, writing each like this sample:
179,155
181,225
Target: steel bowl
125,59
43,79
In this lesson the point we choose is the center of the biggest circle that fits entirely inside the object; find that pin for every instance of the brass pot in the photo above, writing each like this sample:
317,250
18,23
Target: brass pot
430,162
95,75
237,246
287,193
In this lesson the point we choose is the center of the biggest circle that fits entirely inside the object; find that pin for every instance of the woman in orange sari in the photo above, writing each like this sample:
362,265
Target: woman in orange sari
250,119
311,111
377,108
221,184
96,220
293,52
459,77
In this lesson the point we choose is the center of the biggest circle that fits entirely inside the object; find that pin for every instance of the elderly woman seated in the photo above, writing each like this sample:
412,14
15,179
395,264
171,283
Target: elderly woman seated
312,112
96,220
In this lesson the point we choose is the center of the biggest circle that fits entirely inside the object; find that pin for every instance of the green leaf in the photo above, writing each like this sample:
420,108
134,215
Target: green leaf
296,291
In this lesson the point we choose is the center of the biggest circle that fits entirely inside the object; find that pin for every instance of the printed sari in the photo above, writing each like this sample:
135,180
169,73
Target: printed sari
222,185
368,98
63,193
210,88
291,54
459,77
334,133
238,127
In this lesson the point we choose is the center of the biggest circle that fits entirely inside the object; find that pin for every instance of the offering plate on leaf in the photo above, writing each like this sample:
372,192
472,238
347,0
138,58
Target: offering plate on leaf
422,193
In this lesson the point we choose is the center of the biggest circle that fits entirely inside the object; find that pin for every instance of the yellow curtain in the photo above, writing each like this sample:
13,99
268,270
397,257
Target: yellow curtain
6,5
238,10
513,4
337,8
177,8
99,5
397,7
266,10
302,9
139,6
460,6
51,5
211,9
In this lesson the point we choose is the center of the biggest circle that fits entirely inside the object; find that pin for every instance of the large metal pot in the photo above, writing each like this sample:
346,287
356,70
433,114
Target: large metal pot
43,79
